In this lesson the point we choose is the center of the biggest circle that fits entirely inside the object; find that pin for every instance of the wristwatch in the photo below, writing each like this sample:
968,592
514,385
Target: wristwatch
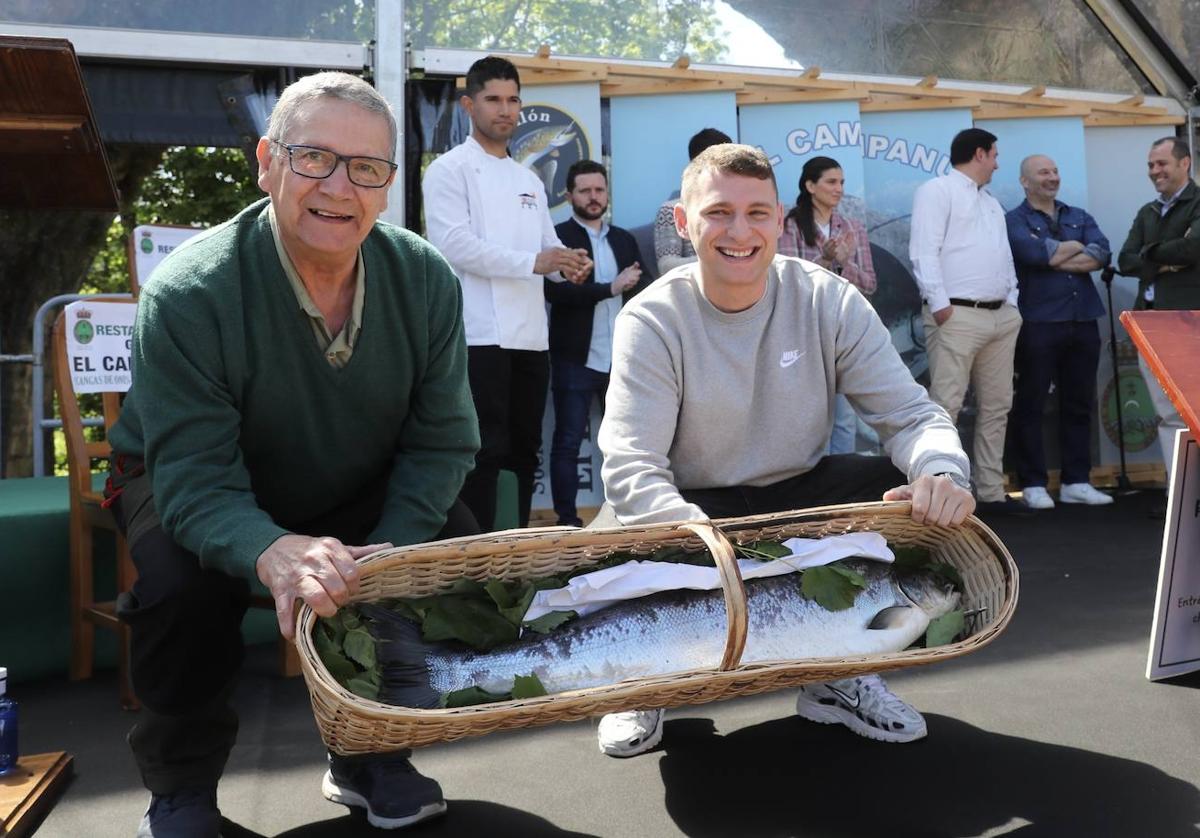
957,479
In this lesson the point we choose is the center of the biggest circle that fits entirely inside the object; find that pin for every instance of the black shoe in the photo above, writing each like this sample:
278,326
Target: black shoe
388,787
191,813
1008,506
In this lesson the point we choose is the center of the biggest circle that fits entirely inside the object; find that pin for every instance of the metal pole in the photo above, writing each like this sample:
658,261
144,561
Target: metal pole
1106,275
390,66
40,422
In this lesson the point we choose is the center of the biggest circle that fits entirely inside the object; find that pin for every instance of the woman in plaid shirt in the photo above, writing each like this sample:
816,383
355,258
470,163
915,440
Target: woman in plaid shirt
816,232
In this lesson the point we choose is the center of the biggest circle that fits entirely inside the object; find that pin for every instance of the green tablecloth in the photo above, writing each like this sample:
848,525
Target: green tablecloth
35,627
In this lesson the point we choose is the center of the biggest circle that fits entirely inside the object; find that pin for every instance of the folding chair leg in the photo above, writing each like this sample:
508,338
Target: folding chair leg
126,575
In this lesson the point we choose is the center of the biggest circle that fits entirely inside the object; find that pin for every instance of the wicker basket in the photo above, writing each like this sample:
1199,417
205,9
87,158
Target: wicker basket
353,725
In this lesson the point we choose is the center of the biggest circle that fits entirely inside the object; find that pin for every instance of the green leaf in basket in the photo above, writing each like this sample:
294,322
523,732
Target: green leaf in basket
469,620
944,629
466,587
414,610
470,696
511,598
363,687
331,655
910,558
763,550
527,686
948,573
831,586
550,621
360,647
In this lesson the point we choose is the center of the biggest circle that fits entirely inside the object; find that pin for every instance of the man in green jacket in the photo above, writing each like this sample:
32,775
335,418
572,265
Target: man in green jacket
1163,252
299,401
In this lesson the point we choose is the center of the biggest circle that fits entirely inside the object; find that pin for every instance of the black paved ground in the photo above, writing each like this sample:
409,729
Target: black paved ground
1051,731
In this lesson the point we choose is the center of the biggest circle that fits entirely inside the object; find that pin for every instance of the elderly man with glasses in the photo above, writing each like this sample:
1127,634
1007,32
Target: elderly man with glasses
300,400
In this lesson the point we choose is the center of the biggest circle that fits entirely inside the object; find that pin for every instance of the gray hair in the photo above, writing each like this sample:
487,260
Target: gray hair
333,85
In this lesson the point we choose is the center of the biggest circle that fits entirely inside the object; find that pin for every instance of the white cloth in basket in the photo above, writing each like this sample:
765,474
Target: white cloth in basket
590,592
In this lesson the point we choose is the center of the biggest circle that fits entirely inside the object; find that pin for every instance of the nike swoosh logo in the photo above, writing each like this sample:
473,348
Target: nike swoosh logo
790,357
852,704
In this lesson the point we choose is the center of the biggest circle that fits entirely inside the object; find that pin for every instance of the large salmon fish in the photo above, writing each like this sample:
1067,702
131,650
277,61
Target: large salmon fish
666,633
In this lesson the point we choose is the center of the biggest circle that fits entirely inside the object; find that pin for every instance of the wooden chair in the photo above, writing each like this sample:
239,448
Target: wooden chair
86,515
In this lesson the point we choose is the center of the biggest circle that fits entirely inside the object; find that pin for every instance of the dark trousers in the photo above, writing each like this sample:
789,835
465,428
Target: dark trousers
186,647
1065,354
573,386
837,478
509,389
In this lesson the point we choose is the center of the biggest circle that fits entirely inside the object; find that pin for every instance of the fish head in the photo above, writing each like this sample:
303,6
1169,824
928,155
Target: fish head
930,592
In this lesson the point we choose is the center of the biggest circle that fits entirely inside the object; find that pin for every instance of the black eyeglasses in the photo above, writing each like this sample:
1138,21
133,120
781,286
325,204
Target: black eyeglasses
319,163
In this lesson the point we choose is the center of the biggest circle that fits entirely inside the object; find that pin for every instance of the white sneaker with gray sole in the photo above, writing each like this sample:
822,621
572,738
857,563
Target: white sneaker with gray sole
630,733
863,704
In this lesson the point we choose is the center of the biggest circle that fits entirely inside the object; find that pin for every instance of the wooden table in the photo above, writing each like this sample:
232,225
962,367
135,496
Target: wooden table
27,794
1170,343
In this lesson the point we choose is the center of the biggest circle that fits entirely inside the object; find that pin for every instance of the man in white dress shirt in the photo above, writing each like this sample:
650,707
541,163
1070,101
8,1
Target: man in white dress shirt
964,268
489,216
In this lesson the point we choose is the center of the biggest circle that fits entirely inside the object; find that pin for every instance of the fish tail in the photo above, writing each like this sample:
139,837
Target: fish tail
402,656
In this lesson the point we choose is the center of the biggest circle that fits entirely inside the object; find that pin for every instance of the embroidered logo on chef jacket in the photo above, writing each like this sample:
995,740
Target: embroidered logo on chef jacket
547,140
528,201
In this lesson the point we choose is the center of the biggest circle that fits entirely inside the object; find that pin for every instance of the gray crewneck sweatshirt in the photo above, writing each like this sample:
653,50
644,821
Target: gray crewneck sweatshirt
701,398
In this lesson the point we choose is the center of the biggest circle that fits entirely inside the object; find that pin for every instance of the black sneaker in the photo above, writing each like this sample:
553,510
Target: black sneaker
191,813
388,787
1008,506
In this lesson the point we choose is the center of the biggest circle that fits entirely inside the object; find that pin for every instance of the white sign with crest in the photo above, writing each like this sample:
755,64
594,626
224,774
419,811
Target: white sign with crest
99,342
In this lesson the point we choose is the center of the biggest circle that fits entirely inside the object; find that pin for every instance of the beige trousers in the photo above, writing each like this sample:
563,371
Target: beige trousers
1170,421
975,346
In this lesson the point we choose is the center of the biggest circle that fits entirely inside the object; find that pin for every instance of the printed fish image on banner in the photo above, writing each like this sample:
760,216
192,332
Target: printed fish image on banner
547,141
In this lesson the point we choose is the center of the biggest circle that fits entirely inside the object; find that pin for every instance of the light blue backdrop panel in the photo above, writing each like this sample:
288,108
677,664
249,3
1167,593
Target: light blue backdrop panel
792,133
1060,138
902,150
649,146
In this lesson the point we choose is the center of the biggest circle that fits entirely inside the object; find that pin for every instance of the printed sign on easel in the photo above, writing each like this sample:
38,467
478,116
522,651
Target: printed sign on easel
99,346
151,243
1175,641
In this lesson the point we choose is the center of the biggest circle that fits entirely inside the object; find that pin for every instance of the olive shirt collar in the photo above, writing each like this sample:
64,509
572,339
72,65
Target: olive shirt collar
337,350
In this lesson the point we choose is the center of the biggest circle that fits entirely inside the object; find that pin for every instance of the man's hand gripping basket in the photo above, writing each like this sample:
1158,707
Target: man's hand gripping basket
353,725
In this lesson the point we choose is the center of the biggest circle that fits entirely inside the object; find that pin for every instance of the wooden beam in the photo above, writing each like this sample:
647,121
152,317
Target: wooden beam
813,72
875,104
774,96
1098,120
1136,99
682,62
928,81
1034,92
543,52
562,77
651,87
989,111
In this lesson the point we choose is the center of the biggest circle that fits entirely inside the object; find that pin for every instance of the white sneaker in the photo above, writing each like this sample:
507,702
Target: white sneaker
863,704
1083,493
1036,497
630,733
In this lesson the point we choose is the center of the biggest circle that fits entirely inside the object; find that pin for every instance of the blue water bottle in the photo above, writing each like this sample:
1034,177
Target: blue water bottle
8,727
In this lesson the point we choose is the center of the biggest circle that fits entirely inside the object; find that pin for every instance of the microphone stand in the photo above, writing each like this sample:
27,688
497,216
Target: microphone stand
1124,486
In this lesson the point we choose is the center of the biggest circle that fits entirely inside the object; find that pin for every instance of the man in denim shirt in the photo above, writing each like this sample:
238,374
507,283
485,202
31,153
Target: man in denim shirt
1054,248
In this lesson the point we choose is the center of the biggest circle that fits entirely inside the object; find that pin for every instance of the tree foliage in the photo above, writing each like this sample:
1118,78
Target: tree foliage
191,187
658,30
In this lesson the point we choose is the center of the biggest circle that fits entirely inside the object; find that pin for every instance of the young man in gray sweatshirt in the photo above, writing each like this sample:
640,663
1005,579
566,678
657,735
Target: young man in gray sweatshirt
721,403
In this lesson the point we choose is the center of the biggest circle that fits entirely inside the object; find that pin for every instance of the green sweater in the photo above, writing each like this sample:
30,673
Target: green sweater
1155,240
244,426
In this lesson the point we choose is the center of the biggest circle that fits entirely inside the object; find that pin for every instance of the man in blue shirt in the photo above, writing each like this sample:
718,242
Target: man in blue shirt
1054,248
581,324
